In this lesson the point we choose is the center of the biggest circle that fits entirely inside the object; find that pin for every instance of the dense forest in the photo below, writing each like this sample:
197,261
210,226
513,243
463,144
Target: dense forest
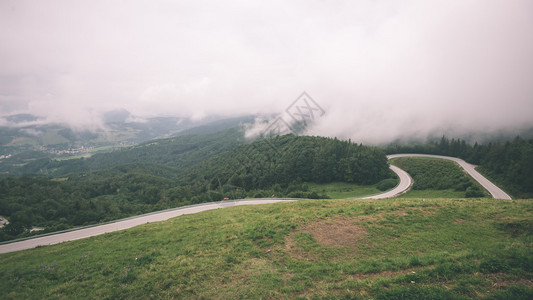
509,164
59,204
280,166
286,161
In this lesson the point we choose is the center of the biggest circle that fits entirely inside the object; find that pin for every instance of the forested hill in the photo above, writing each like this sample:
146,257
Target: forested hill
510,164
158,179
290,159
177,152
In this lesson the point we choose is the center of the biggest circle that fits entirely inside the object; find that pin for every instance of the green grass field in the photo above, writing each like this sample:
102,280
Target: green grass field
52,137
438,178
448,193
107,148
21,141
379,249
339,190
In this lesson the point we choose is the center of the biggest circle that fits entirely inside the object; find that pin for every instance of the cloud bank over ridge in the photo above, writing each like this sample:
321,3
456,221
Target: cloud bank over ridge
382,70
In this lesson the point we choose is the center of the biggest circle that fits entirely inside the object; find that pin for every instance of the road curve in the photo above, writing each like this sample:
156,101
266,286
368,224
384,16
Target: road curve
495,191
404,185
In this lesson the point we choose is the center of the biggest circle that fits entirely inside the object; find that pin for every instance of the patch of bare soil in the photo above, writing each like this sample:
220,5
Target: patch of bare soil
341,232
336,232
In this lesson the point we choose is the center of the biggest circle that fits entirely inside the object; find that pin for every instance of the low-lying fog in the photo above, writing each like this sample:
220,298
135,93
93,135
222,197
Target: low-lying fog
380,70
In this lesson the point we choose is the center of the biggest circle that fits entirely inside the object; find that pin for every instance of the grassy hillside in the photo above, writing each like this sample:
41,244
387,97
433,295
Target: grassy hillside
380,249
339,190
438,178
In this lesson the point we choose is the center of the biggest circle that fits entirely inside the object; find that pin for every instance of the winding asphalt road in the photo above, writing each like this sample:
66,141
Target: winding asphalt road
495,191
404,185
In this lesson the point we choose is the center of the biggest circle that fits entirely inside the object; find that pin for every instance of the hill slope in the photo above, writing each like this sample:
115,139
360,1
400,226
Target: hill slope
381,249
29,149
177,152
286,161
23,132
438,177
163,179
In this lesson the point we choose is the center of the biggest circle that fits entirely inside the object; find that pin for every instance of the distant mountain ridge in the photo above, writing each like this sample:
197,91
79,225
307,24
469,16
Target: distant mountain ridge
178,152
24,132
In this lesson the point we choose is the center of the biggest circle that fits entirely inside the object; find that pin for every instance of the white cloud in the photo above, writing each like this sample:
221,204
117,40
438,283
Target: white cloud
381,69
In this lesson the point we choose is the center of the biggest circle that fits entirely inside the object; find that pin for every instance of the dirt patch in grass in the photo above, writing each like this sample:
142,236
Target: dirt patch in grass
338,232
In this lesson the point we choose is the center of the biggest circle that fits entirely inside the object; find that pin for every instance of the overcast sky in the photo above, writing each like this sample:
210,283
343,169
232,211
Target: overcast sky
380,69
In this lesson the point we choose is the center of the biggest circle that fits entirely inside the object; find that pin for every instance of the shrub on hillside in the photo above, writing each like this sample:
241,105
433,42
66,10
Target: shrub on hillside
387,184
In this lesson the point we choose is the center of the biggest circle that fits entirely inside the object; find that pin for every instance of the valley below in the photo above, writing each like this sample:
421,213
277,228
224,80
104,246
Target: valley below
216,216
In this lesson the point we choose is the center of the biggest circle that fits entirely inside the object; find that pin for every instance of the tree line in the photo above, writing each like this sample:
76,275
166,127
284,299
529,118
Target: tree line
510,164
287,160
